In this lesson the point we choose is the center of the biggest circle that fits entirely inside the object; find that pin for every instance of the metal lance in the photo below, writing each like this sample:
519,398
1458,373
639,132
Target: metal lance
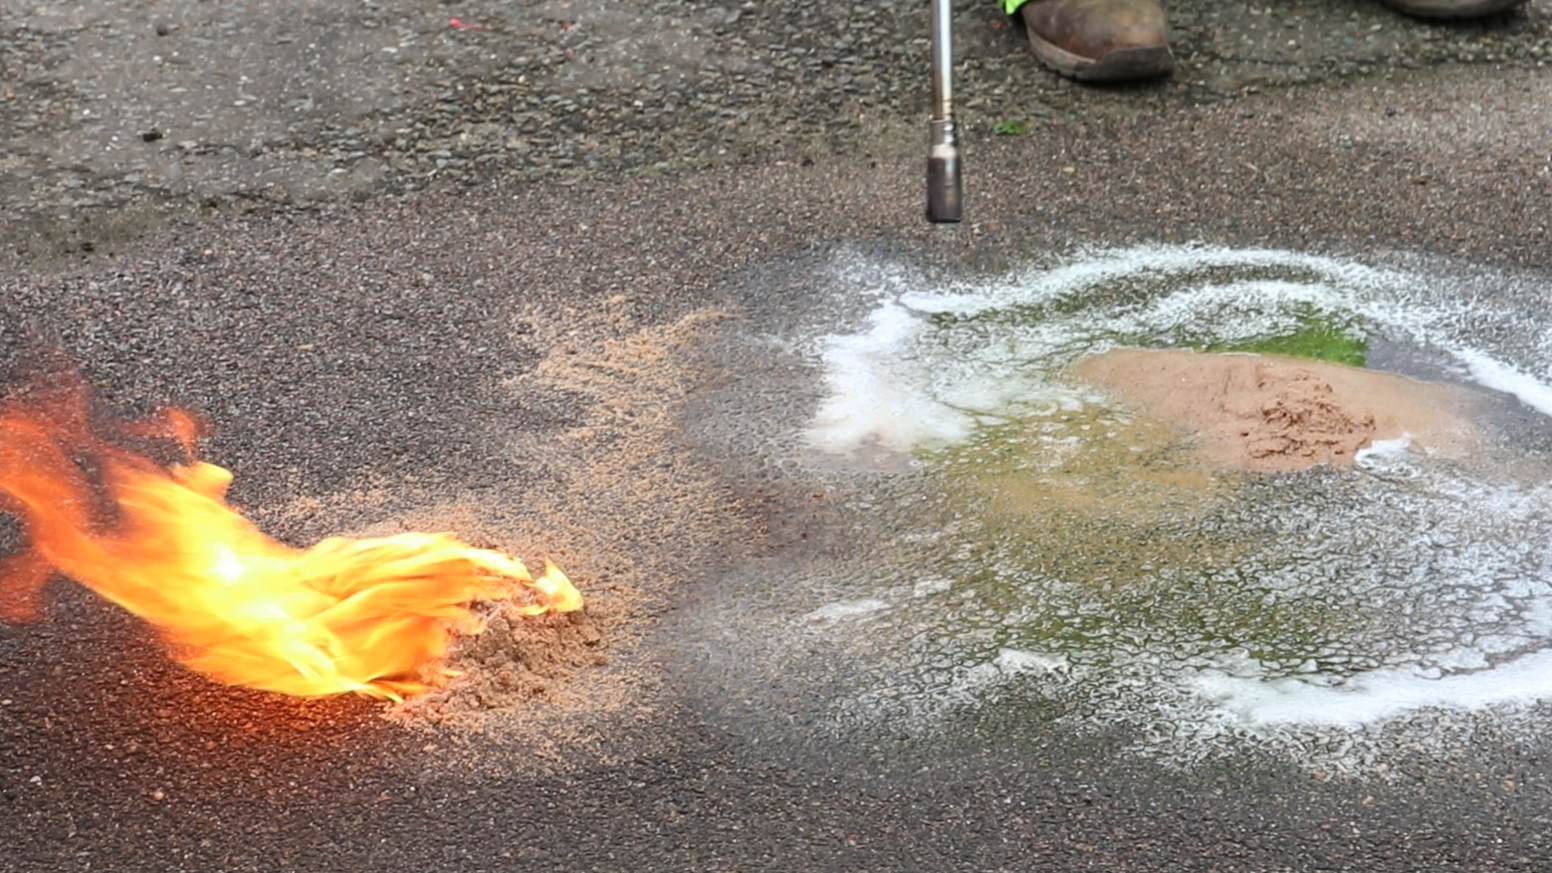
943,192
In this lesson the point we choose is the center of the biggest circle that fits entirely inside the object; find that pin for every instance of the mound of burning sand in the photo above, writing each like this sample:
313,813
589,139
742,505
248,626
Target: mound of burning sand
1268,413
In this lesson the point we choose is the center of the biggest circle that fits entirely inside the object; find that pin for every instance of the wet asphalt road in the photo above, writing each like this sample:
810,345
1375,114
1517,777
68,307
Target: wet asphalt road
351,334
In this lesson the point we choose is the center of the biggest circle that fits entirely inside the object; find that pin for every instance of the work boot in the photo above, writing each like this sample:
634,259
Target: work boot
1101,40
1450,8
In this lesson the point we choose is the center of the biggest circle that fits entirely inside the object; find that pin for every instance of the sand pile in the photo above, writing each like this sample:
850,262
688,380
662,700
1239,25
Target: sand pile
1269,413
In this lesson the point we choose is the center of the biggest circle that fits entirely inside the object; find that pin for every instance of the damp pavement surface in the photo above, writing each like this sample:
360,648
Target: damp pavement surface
340,230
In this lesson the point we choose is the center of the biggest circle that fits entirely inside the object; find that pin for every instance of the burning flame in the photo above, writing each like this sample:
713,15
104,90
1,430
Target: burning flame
371,616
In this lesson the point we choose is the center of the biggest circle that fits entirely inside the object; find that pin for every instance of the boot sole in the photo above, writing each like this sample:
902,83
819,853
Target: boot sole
1435,9
1138,62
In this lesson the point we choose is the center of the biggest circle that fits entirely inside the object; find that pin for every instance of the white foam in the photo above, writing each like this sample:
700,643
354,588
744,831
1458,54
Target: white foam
846,609
872,399
1099,266
1393,458
1378,695
1007,665
1018,662
1506,378
1383,450
931,585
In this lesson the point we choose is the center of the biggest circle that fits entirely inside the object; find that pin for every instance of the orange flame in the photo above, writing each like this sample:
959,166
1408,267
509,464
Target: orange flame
372,616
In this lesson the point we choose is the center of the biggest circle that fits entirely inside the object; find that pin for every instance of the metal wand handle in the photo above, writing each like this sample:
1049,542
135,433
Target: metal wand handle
943,186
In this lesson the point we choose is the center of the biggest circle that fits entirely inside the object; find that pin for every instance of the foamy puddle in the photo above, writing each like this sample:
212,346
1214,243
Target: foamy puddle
1047,547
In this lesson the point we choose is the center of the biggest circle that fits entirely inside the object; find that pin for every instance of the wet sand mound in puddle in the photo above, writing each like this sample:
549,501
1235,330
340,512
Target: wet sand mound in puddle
1267,413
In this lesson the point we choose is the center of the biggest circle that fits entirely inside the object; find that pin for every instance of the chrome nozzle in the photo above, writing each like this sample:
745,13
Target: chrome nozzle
943,185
